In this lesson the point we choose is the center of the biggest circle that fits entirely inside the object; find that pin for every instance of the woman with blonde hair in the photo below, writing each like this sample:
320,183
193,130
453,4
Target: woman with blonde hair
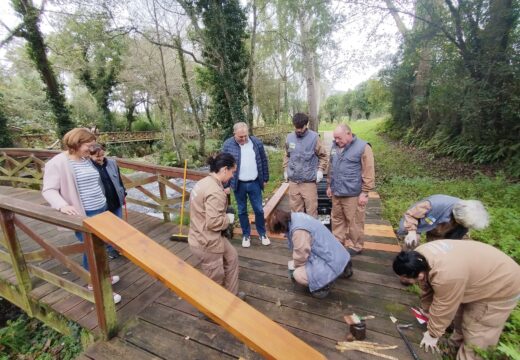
72,185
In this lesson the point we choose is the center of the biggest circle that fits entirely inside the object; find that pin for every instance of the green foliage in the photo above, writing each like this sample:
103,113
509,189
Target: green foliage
5,137
143,125
467,104
29,338
223,36
405,175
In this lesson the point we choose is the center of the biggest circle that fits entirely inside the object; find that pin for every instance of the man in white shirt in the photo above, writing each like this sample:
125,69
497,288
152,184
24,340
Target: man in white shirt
250,178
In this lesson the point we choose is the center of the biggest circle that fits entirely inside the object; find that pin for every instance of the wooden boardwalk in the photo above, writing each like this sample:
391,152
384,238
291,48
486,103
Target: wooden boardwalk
156,324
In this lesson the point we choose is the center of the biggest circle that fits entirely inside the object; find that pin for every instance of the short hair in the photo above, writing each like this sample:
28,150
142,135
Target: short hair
410,264
96,149
278,221
299,120
240,125
220,160
77,137
344,127
471,214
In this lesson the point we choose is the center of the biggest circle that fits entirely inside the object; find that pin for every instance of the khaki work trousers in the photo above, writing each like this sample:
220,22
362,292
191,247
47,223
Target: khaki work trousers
348,221
480,325
221,268
303,197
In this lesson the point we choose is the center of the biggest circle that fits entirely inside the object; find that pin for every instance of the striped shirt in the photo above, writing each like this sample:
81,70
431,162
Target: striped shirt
88,182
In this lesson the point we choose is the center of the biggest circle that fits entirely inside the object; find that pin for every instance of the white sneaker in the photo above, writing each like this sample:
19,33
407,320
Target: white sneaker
115,280
246,241
117,298
265,240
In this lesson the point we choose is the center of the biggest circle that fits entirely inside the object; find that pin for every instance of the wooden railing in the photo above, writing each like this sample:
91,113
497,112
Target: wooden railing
22,167
26,266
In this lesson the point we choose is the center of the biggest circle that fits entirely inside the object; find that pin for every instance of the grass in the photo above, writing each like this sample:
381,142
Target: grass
405,175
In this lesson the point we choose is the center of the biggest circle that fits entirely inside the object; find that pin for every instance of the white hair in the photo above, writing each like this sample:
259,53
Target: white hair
471,214
240,125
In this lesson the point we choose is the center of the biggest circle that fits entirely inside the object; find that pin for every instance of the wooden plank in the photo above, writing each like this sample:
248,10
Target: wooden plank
272,203
379,230
260,333
117,349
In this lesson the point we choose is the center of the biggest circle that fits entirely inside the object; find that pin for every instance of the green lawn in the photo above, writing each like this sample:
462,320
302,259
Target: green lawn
405,175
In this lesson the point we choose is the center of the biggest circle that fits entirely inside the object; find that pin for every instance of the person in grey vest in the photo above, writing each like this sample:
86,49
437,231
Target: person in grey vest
441,217
304,164
318,259
351,176
112,182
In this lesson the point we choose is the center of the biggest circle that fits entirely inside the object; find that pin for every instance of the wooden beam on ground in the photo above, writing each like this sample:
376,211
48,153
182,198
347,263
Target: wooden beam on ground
242,320
275,199
379,230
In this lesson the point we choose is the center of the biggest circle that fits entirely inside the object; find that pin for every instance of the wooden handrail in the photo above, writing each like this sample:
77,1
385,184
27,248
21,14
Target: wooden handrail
19,294
242,320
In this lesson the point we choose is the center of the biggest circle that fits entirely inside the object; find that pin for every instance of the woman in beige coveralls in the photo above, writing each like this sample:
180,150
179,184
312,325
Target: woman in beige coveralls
208,204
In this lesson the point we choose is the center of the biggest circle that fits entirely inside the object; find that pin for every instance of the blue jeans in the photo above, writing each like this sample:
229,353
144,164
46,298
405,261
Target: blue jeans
118,212
79,235
254,192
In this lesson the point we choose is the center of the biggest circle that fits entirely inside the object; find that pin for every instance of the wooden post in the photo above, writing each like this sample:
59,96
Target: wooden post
17,259
102,285
164,198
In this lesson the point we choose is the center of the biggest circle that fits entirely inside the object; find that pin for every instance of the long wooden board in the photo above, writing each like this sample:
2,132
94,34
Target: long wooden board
242,320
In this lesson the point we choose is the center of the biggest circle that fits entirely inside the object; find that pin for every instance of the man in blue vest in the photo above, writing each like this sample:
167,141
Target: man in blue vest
249,180
442,217
351,176
304,164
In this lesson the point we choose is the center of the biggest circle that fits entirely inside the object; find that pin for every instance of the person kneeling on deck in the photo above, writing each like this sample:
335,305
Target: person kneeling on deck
470,283
208,218
318,257
441,217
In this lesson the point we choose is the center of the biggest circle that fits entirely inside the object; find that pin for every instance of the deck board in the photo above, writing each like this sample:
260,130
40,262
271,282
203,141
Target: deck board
157,324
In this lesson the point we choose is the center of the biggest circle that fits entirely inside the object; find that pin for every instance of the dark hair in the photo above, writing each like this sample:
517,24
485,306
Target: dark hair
95,149
278,221
410,264
299,120
219,160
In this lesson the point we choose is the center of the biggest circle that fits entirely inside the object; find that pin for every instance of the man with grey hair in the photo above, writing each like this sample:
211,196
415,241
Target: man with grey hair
249,180
351,176
442,217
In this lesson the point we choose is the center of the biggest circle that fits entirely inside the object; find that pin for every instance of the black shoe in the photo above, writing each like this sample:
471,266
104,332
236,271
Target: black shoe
353,252
113,254
348,272
323,292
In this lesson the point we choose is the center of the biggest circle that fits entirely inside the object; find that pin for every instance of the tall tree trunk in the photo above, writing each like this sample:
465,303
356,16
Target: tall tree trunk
250,73
169,100
130,109
309,71
193,105
36,48
147,108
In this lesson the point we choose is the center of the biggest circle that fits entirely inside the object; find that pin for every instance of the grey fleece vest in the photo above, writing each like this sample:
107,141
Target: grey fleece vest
328,257
345,178
303,161
442,207
113,172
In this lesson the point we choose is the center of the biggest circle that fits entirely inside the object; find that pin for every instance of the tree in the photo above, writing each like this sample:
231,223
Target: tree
29,30
5,138
93,53
225,58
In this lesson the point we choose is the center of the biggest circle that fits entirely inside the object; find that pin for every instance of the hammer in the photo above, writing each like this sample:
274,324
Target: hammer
399,328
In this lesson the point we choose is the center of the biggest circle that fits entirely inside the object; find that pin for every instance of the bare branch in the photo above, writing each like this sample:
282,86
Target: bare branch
16,32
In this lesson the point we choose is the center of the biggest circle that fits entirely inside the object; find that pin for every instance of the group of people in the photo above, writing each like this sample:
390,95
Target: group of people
82,181
471,284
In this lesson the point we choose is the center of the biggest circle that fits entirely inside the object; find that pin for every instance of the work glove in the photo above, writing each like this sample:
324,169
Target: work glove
285,176
319,176
290,265
231,218
411,239
429,342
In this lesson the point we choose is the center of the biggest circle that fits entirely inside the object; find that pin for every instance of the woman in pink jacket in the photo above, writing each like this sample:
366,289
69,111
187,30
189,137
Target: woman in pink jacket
72,185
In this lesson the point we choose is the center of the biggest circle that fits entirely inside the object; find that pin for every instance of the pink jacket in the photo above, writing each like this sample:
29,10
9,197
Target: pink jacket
59,184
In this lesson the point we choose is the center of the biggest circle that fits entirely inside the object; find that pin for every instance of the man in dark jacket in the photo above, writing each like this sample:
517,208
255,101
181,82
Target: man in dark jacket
250,178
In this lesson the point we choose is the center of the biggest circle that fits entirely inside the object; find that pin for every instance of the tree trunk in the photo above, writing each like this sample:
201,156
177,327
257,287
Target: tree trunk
193,105
250,74
37,52
309,72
